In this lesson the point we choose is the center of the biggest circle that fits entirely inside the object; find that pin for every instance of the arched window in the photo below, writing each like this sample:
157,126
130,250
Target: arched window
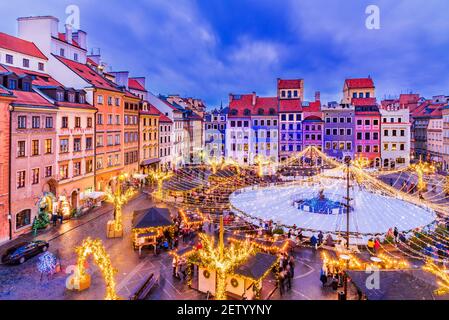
23,219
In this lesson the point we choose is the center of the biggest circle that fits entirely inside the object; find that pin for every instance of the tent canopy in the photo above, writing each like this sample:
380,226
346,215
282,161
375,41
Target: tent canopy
152,218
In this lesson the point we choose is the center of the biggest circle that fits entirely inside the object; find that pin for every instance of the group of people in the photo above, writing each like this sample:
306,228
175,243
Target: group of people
332,276
286,272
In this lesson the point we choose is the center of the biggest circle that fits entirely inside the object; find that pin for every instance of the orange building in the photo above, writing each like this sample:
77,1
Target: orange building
131,132
107,97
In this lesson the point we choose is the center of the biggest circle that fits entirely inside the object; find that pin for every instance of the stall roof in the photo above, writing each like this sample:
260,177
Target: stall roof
397,285
256,266
151,218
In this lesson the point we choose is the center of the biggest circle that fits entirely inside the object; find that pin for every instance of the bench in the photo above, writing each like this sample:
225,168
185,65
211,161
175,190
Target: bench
144,290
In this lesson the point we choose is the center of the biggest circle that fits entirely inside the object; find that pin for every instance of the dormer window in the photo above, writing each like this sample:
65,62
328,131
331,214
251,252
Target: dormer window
26,86
260,112
62,52
26,63
60,96
82,98
40,66
75,56
246,112
71,97
12,84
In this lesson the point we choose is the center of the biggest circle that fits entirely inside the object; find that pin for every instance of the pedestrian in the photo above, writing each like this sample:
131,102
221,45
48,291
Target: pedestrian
376,245
54,218
291,263
396,234
320,238
288,277
323,277
281,280
313,242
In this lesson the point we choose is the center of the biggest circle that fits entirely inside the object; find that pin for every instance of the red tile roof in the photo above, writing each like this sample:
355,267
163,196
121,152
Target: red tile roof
92,62
22,46
40,79
314,106
290,105
61,36
89,75
31,99
134,84
359,83
4,91
154,111
290,84
246,102
75,105
364,101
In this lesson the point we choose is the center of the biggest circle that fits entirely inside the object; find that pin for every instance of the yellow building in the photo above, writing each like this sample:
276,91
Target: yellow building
149,137
359,88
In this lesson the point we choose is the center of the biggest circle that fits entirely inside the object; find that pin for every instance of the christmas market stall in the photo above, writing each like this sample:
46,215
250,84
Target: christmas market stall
150,226
247,280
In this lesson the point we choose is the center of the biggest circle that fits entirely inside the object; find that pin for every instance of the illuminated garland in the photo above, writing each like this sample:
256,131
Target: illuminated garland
442,274
96,249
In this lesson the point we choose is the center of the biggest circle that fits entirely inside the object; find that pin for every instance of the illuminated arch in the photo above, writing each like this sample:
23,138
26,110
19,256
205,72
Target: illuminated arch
101,258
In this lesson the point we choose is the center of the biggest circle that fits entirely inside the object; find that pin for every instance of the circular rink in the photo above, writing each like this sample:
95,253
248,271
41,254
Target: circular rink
307,207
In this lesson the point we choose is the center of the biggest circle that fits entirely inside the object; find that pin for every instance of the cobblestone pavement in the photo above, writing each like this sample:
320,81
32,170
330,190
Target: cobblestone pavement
25,282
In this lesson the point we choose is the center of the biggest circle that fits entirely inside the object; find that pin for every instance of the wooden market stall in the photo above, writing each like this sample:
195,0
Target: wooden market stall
149,225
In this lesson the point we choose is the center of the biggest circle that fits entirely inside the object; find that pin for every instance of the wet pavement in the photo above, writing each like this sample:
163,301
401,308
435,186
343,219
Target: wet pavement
25,281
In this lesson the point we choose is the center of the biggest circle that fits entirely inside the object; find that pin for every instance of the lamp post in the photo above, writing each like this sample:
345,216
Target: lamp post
348,210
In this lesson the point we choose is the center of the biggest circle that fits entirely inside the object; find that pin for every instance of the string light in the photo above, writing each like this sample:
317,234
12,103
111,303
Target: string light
422,168
160,176
96,249
118,198
442,274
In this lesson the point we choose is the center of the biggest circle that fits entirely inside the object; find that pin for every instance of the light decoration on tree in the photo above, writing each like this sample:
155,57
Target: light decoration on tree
421,168
118,198
214,163
160,176
95,249
223,261
231,162
261,163
442,275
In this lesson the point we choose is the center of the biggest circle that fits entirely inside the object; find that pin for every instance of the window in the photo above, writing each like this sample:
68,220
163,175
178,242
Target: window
89,143
21,122
117,119
65,123
75,56
367,122
375,122
21,179
77,122
35,147
26,86
23,219
77,145
21,149
48,146
40,66
89,166
35,176
110,101
100,99
117,102
48,171
117,139
99,141
64,146
76,169
109,118
9,59
26,63
62,52
99,118
12,84
36,122
48,122
64,171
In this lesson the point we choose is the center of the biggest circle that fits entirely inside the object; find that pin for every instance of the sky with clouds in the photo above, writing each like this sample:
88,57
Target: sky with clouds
210,48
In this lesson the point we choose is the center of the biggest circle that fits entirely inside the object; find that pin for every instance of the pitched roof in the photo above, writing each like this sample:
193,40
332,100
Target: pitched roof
290,105
290,84
151,218
312,119
33,99
256,266
359,83
134,84
22,46
239,104
4,91
266,104
62,37
75,105
39,78
314,106
89,75
364,101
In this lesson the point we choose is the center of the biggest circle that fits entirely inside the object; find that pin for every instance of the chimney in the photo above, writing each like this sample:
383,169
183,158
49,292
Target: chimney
81,38
254,99
68,33
121,78
317,96
231,97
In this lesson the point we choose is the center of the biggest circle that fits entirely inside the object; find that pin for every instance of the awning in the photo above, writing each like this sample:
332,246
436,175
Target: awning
149,162
139,176
94,195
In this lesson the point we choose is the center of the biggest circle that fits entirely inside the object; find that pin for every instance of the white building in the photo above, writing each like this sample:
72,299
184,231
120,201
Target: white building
435,138
395,138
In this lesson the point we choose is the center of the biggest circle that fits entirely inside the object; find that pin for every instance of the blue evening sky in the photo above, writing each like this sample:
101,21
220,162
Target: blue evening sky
210,48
